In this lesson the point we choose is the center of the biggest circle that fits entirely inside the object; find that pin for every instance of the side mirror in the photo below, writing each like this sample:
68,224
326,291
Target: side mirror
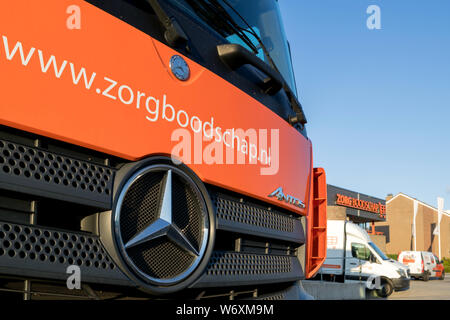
234,56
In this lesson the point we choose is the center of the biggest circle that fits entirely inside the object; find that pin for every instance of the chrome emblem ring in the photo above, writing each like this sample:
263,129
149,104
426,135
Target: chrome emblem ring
179,68
162,225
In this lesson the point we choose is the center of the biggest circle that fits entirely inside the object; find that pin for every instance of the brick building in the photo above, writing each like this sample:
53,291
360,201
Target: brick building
398,227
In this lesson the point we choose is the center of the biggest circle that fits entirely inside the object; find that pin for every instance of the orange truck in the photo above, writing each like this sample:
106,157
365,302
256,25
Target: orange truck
154,148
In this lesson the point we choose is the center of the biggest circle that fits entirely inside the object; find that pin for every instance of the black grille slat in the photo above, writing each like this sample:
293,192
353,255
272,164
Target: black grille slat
231,263
39,172
239,269
34,251
248,218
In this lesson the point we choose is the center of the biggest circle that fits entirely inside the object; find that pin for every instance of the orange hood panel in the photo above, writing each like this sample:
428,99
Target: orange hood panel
111,107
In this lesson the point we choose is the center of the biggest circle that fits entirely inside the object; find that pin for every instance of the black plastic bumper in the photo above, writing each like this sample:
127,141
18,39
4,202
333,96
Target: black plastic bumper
401,283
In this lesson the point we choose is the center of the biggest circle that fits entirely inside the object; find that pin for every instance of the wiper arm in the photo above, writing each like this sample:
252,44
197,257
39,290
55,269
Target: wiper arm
252,32
173,34
295,104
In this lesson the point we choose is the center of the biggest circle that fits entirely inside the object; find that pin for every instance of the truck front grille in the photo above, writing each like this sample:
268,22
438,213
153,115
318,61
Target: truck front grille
46,191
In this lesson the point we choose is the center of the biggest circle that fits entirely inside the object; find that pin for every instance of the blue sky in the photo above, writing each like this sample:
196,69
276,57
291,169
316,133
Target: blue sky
377,101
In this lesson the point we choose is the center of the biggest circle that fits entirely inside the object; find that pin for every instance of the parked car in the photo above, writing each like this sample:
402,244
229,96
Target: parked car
422,264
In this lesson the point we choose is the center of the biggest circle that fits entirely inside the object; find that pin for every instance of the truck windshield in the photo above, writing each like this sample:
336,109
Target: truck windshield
248,18
378,250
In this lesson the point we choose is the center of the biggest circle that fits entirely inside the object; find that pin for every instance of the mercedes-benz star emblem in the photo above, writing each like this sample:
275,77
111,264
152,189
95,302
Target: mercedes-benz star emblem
179,67
163,226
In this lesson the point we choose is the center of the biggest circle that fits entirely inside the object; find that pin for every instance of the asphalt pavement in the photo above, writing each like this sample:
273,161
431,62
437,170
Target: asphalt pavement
433,289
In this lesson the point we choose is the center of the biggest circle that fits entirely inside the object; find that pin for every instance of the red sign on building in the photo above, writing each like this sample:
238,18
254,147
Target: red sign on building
361,205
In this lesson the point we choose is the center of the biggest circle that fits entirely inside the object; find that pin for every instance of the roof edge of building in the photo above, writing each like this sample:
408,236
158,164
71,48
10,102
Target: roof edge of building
445,212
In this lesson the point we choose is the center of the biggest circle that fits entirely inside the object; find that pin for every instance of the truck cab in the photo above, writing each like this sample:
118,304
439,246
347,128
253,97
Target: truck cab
361,260
157,147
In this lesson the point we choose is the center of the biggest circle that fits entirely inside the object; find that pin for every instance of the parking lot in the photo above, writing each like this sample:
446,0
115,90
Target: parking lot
434,289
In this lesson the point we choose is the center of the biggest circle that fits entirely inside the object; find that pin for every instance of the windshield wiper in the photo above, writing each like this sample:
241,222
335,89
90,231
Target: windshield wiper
251,31
295,104
174,34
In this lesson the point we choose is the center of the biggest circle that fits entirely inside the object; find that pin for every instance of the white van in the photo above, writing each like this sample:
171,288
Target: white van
361,260
422,264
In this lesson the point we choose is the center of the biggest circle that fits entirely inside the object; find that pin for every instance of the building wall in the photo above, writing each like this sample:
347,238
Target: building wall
445,240
336,213
399,222
427,220
399,219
